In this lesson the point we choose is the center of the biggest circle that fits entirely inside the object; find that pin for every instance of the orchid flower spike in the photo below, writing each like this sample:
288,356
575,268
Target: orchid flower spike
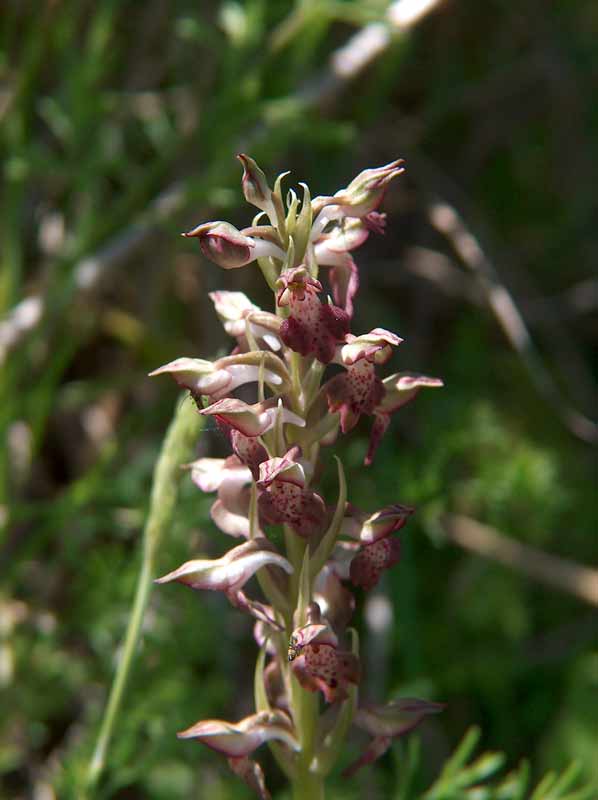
296,379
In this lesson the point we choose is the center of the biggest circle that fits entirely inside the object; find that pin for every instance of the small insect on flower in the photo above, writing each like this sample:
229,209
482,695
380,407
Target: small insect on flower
294,649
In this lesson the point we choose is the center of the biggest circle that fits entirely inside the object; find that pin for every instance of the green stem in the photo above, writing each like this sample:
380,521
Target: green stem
176,449
307,784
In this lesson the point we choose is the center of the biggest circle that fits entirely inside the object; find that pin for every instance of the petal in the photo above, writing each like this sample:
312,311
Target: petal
318,633
209,473
375,749
348,234
371,561
253,775
230,522
241,738
344,278
395,718
274,369
374,346
195,374
285,468
258,610
321,667
232,309
336,602
402,387
250,420
381,423
312,327
249,450
388,722
285,502
384,522
231,571
354,392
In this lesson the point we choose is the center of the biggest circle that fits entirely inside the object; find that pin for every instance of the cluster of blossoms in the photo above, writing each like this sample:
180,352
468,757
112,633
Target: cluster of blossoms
265,490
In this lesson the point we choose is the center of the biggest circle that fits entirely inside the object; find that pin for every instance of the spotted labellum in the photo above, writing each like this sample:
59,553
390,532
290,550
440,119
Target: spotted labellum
305,380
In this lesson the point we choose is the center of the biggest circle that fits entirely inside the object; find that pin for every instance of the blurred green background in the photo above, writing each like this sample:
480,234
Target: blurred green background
119,126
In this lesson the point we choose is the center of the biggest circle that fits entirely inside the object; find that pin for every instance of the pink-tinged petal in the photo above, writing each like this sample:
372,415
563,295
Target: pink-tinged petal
341,558
263,636
395,718
236,312
258,610
294,285
348,234
265,329
234,523
283,502
210,473
255,186
375,749
315,633
197,375
375,222
226,374
249,450
230,572
287,468
336,602
354,392
375,347
312,327
252,774
388,722
344,277
250,420
232,309
283,497
372,559
401,388
230,512
384,522
239,739
276,689
321,667
249,365
381,423
398,390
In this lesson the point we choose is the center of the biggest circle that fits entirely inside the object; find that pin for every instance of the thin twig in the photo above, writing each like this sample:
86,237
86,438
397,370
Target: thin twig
176,449
445,218
556,572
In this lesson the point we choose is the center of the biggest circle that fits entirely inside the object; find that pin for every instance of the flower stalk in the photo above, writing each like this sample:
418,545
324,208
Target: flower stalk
301,548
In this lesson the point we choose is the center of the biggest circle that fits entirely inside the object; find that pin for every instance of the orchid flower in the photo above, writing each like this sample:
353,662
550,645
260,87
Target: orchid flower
304,554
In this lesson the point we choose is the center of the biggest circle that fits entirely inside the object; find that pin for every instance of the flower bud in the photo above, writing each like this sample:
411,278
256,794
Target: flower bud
255,186
375,347
228,247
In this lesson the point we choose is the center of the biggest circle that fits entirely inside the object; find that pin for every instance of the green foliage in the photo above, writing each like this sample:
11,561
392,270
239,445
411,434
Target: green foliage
464,779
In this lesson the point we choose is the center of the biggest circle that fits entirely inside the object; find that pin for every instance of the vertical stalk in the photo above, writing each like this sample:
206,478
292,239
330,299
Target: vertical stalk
176,449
